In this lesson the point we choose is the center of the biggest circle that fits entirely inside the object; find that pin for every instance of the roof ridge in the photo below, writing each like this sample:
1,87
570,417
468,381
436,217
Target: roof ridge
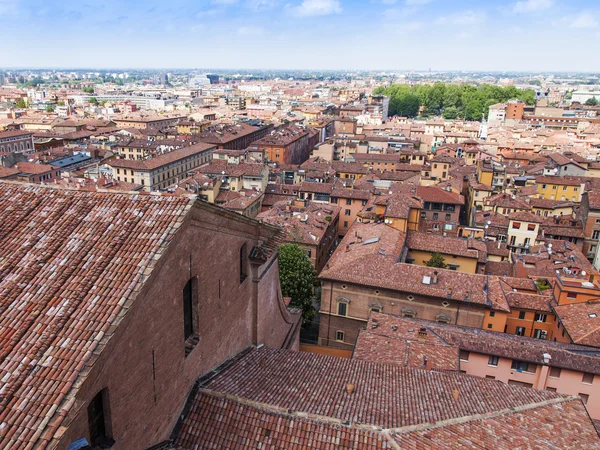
475,417
289,413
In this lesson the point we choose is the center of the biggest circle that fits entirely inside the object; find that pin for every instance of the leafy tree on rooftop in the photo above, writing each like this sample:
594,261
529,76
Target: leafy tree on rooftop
297,278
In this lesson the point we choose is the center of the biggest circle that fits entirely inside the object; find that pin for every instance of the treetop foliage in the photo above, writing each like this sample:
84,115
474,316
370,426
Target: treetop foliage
451,101
297,278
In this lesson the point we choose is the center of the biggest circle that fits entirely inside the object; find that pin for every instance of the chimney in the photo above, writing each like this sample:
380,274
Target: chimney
422,333
359,238
350,388
434,279
347,247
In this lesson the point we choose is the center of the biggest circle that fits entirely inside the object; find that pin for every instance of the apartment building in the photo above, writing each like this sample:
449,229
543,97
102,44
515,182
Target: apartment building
164,170
289,145
234,137
512,360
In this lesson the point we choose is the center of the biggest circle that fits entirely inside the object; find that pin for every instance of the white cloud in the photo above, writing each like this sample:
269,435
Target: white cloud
250,31
583,20
208,13
318,7
526,6
464,18
262,4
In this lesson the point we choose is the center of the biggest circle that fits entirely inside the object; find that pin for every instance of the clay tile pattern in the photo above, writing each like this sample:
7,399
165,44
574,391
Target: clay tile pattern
220,423
386,395
71,262
389,340
534,428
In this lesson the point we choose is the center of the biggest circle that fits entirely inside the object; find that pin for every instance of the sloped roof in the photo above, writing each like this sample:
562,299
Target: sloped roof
285,399
369,255
67,273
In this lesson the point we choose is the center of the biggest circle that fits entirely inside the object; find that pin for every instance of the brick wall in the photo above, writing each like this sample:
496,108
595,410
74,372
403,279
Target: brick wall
144,365
362,299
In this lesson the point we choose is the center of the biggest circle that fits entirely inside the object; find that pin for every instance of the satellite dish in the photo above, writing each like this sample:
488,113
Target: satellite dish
583,273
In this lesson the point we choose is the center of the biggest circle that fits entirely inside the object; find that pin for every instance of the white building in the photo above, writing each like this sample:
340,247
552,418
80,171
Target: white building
497,114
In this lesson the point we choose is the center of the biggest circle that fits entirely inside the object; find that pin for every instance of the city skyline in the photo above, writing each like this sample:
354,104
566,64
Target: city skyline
525,36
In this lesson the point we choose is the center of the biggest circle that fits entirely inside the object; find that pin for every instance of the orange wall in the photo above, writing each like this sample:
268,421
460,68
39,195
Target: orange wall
513,321
569,382
497,322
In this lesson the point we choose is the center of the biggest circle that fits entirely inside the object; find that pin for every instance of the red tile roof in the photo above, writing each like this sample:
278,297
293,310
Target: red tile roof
437,195
390,328
161,160
220,422
294,400
372,259
67,273
533,427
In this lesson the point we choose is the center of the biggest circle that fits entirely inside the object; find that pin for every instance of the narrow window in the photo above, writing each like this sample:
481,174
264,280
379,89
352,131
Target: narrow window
555,372
342,309
243,263
99,420
588,378
188,317
464,355
339,336
493,361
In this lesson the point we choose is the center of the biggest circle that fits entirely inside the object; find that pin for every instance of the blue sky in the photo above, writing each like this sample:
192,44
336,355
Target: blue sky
528,35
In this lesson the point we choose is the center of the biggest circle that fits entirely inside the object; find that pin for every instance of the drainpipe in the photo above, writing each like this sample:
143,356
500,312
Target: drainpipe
543,378
329,317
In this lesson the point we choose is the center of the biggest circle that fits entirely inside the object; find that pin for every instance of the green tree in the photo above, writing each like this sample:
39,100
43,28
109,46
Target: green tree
297,278
469,101
591,102
93,100
21,104
436,260
89,90
406,106
451,113
50,108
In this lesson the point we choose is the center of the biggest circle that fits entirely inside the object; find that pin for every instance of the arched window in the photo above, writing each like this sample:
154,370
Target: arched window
243,263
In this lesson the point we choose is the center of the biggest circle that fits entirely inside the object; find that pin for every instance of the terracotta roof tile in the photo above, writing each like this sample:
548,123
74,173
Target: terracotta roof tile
65,270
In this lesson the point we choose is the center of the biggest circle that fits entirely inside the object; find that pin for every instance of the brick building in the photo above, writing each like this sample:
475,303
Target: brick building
234,137
111,307
289,145
17,141
313,226
366,274
441,209
288,400
534,363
